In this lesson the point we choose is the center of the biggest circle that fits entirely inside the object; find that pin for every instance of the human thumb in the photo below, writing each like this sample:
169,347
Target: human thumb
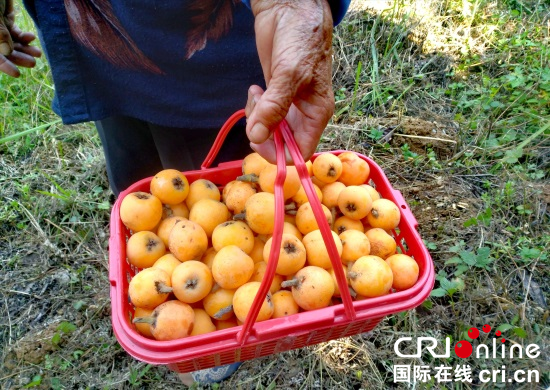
270,109
6,20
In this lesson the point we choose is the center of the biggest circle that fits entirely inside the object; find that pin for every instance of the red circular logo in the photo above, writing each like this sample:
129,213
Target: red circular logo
463,349
498,333
486,328
473,333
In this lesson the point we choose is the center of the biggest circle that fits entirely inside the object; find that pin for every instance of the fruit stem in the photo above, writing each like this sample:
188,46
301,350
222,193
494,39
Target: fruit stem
333,215
240,217
250,178
144,320
163,288
290,283
222,312
290,207
353,275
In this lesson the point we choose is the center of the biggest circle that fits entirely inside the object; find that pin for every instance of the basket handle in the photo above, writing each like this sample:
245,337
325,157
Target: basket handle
281,135
220,138
326,232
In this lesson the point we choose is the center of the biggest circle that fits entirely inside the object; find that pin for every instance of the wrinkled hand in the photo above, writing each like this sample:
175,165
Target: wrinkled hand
14,44
294,40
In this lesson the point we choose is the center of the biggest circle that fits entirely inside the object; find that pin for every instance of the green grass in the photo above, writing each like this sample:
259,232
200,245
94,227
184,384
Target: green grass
451,99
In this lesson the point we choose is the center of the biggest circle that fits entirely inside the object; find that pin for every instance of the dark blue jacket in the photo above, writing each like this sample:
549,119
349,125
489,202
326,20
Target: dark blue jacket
155,82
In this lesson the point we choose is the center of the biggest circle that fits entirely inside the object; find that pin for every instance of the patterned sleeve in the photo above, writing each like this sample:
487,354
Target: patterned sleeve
338,8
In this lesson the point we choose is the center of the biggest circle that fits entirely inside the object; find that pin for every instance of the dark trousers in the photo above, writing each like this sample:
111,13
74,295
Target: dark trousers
135,149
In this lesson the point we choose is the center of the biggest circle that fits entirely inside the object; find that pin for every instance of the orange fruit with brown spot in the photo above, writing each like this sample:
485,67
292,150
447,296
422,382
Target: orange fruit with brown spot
149,288
233,233
327,167
202,189
291,255
171,320
187,240
237,195
175,210
170,186
354,202
232,267
381,243
371,276
316,250
291,184
284,304
253,163
305,218
344,223
405,271
209,213
355,170
191,281
260,212
144,248
312,288
243,299
331,192
384,214
165,227
219,303
140,211
355,244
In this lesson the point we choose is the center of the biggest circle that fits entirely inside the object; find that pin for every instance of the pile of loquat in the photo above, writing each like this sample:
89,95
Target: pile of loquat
202,251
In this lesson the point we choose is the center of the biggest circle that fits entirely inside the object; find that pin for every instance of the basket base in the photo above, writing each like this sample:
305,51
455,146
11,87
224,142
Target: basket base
282,344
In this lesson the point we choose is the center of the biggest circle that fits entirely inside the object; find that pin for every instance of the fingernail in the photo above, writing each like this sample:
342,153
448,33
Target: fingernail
259,133
5,49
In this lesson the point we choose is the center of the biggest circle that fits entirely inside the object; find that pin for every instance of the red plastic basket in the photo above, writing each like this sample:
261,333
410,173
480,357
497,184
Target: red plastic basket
254,340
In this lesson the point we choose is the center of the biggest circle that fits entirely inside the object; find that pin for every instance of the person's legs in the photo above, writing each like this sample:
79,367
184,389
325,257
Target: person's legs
135,149
186,149
129,150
